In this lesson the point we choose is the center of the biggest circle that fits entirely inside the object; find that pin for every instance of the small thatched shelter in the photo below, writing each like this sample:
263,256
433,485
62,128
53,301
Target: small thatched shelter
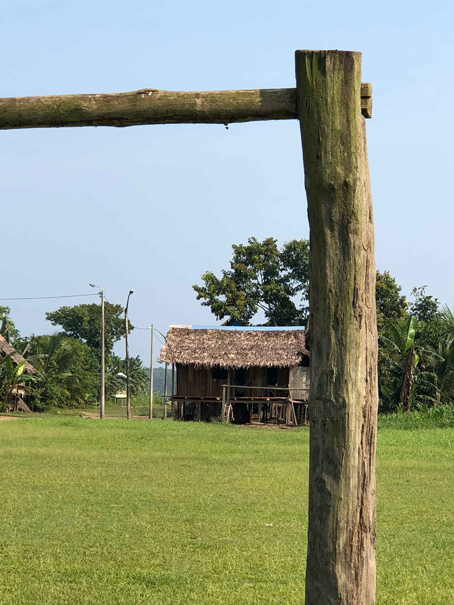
247,372
6,350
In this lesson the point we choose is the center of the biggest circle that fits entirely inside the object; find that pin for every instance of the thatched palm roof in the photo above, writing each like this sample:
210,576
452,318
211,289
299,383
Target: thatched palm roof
7,350
234,348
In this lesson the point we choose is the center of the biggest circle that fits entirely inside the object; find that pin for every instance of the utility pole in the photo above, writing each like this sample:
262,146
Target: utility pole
128,398
150,409
103,356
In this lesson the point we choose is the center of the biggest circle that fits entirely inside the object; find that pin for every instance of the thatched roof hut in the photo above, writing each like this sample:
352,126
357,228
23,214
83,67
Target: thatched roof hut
7,350
234,347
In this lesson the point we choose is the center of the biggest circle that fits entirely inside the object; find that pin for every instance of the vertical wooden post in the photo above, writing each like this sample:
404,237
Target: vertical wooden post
229,392
224,388
343,391
128,389
172,415
164,413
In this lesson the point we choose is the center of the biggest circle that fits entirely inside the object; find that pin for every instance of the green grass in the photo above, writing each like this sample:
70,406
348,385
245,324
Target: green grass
119,512
439,417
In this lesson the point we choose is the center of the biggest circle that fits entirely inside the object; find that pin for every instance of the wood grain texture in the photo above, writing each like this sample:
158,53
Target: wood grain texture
150,106
343,338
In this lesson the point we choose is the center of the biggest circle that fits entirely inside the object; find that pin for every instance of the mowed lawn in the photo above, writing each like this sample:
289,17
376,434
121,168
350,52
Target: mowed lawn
110,512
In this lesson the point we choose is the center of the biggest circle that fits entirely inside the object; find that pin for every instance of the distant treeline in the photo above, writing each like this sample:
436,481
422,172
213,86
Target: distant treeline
158,379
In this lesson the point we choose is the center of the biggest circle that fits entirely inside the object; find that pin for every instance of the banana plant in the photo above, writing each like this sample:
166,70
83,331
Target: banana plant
13,380
402,340
442,362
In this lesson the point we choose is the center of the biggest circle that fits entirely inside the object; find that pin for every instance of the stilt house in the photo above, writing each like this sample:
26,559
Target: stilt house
238,374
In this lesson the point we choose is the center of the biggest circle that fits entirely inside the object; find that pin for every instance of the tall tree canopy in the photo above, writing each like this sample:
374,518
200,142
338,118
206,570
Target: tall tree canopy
263,278
68,372
391,305
7,328
83,322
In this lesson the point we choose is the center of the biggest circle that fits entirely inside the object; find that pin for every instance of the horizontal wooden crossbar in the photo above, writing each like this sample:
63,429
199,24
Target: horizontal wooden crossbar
150,106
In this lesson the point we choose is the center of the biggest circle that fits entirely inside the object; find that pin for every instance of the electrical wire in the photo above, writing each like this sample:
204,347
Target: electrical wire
154,332
49,297
81,296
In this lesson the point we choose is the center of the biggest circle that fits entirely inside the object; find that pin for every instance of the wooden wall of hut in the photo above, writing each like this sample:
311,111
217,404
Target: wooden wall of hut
207,382
299,382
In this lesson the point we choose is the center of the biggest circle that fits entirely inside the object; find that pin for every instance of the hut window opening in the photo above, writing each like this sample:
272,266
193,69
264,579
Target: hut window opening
304,361
271,376
240,376
218,373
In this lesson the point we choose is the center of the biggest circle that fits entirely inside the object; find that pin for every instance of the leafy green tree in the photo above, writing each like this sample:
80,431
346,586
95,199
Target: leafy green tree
83,322
7,328
424,308
391,305
438,336
443,370
447,318
263,278
68,372
139,379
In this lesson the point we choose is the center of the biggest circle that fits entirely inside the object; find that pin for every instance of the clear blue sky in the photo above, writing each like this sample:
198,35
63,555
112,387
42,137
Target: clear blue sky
151,208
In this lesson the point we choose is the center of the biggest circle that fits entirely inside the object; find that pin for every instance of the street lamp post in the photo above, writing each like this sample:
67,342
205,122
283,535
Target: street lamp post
150,406
103,355
128,398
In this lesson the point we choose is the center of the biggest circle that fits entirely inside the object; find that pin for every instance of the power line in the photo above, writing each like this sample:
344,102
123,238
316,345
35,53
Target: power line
154,333
49,297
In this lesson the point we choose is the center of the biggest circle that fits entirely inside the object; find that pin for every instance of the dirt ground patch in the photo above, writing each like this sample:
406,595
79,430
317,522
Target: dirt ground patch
88,415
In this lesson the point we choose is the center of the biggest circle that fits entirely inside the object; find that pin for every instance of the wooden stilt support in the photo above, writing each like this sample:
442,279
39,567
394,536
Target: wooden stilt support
223,410
229,394
173,392
164,413
343,390
293,413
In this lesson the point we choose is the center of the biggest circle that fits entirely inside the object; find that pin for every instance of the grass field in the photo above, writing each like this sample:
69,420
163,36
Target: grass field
119,512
